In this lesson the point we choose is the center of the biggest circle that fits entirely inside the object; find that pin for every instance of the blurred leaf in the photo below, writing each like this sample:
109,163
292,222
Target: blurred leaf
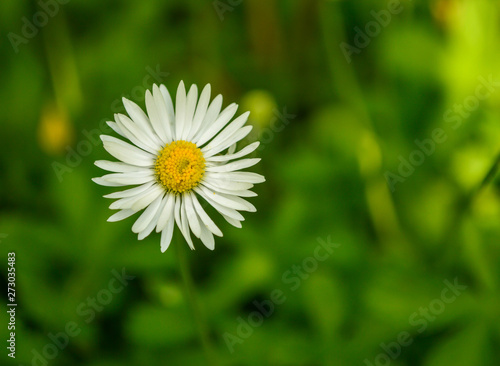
465,347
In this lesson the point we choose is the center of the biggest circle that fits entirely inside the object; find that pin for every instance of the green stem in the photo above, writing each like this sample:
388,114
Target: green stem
199,318
348,88
469,198
452,233
490,176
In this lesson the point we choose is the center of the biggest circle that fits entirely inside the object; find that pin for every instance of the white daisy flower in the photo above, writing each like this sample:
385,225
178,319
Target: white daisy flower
174,157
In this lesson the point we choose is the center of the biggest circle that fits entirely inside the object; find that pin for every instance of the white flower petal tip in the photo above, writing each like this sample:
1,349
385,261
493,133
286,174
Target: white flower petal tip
150,145
120,215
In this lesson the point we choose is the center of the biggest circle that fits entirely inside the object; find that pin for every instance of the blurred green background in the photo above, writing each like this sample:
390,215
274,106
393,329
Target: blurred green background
359,82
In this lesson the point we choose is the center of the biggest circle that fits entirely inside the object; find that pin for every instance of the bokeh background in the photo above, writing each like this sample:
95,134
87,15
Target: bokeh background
333,130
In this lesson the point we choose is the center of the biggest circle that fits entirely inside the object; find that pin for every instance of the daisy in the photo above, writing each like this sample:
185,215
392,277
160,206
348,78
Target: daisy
174,157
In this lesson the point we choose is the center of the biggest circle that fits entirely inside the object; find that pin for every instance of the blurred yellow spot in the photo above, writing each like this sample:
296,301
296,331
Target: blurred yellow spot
255,268
180,166
445,11
55,131
470,165
170,295
486,205
369,154
261,105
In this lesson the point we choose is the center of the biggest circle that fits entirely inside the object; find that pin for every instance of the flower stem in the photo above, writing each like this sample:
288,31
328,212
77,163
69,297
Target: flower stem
190,292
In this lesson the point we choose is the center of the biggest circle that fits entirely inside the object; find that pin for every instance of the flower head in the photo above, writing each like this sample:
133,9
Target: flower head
174,157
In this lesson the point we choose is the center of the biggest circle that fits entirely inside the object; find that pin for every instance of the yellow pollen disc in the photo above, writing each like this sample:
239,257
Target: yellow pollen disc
180,166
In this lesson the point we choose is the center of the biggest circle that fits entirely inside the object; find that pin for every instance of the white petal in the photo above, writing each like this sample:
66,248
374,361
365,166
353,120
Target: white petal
207,221
201,111
234,222
230,201
136,135
170,108
137,202
140,118
177,212
181,221
248,177
144,201
147,216
148,196
149,228
130,192
249,207
167,213
154,117
192,98
243,152
229,131
219,124
104,182
163,115
231,149
166,235
207,238
191,215
126,152
120,215
210,117
224,210
129,178
180,110
185,224
240,193
235,165
118,166
230,141
115,128
227,184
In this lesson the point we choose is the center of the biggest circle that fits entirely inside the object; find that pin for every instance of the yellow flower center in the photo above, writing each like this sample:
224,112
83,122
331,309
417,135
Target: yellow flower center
180,166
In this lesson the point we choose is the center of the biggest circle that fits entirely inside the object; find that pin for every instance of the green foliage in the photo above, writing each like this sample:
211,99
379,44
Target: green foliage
326,165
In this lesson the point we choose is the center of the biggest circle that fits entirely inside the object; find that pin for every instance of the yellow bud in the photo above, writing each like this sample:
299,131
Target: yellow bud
261,105
55,131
